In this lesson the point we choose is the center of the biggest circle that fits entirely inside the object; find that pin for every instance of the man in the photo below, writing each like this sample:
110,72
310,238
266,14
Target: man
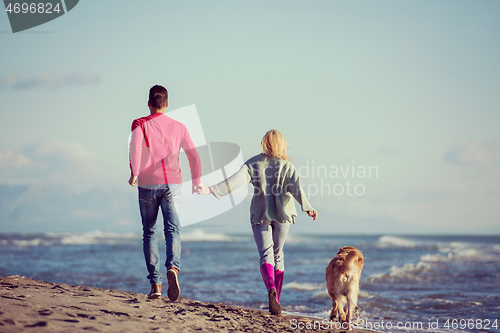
154,162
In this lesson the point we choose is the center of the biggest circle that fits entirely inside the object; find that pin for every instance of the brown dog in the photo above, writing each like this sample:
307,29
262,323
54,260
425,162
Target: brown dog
342,281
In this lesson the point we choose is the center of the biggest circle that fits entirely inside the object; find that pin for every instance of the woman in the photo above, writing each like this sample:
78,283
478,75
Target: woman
276,182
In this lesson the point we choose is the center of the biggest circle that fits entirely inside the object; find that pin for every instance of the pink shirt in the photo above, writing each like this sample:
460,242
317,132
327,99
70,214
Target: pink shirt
154,151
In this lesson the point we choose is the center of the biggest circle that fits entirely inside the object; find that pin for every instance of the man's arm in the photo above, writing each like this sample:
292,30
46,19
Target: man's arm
135,151
194,160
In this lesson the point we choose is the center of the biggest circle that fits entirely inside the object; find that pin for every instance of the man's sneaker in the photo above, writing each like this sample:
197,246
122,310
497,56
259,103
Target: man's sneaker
173,284
155,292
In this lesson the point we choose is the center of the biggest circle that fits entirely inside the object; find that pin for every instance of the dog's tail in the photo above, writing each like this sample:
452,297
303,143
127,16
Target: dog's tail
353,263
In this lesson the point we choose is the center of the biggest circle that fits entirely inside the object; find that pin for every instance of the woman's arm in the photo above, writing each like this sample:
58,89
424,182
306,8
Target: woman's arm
295,188
202,189
313,214
220,190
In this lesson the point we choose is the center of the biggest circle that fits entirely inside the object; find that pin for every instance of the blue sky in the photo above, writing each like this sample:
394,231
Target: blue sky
409,87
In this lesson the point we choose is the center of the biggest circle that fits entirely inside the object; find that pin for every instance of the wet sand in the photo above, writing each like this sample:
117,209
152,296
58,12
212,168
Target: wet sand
28,305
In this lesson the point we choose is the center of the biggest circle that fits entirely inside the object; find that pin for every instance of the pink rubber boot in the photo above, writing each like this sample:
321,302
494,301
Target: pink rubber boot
267,271
278,279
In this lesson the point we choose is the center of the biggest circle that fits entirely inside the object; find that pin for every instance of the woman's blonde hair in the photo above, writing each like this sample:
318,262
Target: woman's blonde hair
274,144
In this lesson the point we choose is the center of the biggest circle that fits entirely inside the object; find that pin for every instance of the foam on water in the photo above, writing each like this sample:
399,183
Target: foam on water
365,294
296,239
408,271
199,235
432,263
304,286
98,237
95,237
322,294
392,241
27,243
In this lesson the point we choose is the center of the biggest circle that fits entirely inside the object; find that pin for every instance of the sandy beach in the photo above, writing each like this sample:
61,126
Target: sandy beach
28,305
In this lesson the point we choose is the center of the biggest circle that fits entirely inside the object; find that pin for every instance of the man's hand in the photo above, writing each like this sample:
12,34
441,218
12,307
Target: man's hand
132,180
313,214
202,189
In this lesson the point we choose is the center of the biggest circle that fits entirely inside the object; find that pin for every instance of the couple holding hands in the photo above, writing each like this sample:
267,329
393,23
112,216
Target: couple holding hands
154,149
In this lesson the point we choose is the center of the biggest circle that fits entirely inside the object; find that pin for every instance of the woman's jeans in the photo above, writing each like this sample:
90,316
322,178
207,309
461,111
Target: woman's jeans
270,238
151,198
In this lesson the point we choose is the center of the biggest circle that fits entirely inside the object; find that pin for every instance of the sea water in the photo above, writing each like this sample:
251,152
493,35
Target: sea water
409,283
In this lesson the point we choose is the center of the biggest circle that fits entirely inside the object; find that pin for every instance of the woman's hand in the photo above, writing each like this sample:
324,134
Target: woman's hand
313,214
202,189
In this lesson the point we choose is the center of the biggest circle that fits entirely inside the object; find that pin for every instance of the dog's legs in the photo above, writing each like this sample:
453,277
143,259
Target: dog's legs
334,314
341,308
351,306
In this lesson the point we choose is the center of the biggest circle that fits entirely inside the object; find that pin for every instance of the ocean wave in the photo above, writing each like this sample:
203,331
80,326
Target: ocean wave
304,286
322,294
365,294
312,261
409,271
464,255
392,241
199,235
27,242
443,262
465,252
454,247
96,237
67,239
299,239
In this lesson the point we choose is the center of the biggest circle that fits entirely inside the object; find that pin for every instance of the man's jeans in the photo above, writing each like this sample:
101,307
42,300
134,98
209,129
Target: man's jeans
151,198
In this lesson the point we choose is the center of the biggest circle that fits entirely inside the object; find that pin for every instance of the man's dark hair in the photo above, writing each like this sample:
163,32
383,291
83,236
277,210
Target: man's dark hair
158,96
